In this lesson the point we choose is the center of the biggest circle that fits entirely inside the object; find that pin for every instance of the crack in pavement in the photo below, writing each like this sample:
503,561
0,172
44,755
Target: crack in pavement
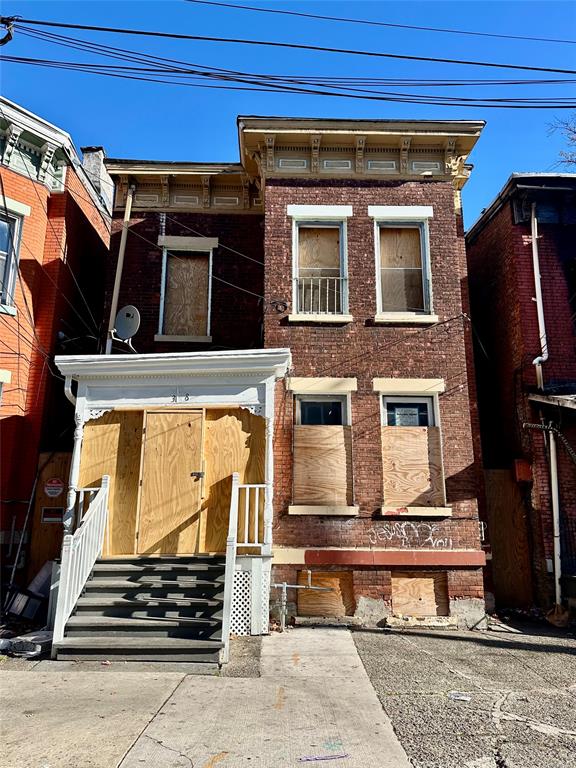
499,714
170,749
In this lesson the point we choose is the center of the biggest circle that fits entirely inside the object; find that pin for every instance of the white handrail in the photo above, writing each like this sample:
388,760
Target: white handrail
230,567
252,529
80,551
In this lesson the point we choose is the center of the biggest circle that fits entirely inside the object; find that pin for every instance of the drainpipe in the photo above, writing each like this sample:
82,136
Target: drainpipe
68,390
555,517
119,267
543,356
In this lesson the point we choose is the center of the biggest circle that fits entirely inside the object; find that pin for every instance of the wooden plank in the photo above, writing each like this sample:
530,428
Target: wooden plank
186,295
400,247
338,602
412,466
319,251
171,497
322,465
111,446
509,539
235,442
46,538
420,594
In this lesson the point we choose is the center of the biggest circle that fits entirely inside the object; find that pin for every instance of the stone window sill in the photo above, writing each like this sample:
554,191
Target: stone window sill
184,339
7,310
333,319
402,318
388,511
347,511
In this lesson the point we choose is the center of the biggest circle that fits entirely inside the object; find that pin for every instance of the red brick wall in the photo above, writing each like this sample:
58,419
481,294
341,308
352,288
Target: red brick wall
236,318
365,351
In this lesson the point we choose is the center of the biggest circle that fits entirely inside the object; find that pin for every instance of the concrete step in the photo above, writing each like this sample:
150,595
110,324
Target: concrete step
193,607
154,588
98,647
164,559
120,626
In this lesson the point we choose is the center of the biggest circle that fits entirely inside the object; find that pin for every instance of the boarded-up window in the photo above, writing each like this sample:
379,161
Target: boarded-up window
319,262
336,600
186,294
402,279
420,594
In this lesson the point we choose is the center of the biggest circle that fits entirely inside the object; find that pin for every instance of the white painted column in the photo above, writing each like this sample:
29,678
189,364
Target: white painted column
69,515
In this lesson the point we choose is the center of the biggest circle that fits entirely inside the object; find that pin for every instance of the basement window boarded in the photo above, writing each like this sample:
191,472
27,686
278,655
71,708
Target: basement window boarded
186,295
403,284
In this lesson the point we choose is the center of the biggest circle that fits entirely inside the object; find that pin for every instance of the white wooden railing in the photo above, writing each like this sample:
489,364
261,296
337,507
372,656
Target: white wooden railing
320,295
80,551
249,527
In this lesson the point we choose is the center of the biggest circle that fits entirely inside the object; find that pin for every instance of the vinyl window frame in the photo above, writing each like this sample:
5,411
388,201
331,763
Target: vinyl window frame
173,250
345,399
15,223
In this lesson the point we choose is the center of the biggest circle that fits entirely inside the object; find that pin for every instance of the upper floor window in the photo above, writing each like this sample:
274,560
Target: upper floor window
10,227
326,410
409,411
320,259
186,289
403,284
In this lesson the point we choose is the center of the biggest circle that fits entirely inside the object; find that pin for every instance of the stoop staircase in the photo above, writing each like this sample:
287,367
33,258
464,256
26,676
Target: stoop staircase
148,609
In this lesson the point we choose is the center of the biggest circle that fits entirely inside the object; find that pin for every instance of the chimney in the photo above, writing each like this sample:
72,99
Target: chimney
93,164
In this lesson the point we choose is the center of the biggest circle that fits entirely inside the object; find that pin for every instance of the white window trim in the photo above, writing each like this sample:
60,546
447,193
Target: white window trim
316,212
401,212
325,396
8,306
323,385
328,223
429,400
405,316
200,245
417,387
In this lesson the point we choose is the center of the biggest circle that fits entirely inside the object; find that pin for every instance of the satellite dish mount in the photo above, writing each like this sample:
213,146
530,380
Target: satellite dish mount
126,325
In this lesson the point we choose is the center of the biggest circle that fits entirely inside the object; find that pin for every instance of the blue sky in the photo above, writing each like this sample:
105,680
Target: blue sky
153,121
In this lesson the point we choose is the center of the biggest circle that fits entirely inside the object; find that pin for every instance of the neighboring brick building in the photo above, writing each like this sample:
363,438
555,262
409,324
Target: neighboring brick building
54,239
526,368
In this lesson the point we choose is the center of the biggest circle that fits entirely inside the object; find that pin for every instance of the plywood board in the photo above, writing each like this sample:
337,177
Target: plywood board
319,251
46,538
235,442
420,594
111,446
171,496
339,601
508,527
412,466
400,247
186,295
322,465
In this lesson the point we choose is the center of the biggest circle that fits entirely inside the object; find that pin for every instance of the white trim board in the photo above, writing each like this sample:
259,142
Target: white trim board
401,212
321,385
319,211
14,206
408,386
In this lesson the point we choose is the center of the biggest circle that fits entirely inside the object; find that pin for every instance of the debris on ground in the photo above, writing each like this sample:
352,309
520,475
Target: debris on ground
457,696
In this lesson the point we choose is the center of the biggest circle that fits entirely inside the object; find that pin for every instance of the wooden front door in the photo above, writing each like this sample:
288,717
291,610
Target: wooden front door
171,493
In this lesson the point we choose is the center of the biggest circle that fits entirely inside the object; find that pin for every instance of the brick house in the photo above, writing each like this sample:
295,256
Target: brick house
521,262
54,230
301,407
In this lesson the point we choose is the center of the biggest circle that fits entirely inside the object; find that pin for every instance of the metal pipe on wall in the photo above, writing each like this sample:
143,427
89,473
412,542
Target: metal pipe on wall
119,268
543,356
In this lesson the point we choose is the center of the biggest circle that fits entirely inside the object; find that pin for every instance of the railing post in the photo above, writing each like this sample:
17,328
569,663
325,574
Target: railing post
230,566
106,531
63,589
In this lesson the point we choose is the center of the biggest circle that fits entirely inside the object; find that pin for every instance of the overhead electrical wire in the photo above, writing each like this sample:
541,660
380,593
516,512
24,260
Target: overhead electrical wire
17,21
373,23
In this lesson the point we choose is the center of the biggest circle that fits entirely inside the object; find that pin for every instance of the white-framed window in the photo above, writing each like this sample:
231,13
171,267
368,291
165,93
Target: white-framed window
408,411
322,410
186,290
10,231
319,259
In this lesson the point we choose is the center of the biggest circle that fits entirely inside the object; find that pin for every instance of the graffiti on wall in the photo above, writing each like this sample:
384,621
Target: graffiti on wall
409,534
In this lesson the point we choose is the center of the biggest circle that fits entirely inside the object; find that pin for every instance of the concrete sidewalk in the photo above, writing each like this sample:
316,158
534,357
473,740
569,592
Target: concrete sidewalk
314,700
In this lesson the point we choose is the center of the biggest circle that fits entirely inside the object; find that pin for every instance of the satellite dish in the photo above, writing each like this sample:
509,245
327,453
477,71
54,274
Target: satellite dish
127,323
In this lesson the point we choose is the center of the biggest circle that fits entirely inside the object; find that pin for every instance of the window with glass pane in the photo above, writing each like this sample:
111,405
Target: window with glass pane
409,412
320,411
401,269
319,279
8,257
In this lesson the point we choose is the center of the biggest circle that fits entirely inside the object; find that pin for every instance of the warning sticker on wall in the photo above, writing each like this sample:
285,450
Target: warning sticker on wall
53,487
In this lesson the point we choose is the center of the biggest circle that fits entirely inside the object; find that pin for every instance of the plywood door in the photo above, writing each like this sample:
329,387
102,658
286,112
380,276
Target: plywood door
412,466
171,495
112,446
420,594
322,465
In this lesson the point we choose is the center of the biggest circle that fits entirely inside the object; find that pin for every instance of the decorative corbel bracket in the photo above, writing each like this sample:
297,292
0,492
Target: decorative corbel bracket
47,151
449,155
206,191
245,192
270,140
360,147
12,136
122,190
404,149
165,194
315,153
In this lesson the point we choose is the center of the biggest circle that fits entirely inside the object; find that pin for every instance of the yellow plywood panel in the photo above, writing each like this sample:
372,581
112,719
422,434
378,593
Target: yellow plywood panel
46,538
171,494
186,295
420,594
339,601
112,446
319,251
400,247
322,465
235,442
412,466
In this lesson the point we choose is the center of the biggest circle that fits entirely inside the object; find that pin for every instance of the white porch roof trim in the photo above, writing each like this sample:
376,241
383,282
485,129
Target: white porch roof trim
240,362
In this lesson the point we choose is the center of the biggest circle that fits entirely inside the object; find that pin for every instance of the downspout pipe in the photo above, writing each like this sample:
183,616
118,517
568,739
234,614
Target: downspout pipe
119,268
543,356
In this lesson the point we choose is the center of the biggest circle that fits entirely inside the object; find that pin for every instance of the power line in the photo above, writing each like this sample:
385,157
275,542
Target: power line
274,44
372,23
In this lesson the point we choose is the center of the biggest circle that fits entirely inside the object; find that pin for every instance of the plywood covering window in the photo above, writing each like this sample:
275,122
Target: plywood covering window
322,452
185,310
403,284
411,453
319,268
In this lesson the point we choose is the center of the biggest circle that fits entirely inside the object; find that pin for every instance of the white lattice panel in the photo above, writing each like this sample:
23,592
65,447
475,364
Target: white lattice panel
240,613
265,600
